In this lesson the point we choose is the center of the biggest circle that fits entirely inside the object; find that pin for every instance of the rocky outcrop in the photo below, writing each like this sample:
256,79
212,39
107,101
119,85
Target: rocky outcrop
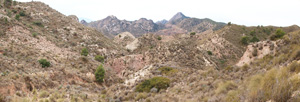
73,17
256,51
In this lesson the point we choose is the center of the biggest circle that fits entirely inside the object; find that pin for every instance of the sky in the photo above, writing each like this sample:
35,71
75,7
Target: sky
242,12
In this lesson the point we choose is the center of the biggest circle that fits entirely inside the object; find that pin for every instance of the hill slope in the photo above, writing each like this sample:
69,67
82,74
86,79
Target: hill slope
234,63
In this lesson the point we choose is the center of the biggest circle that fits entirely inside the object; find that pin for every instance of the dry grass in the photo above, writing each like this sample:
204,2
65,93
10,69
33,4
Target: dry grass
224,87
233,96
43,94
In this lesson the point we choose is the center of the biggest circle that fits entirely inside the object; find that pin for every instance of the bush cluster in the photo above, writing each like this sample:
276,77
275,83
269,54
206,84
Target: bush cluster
99,58
155,82
279,34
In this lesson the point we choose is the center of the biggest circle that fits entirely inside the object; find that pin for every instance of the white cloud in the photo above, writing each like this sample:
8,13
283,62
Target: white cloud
244,12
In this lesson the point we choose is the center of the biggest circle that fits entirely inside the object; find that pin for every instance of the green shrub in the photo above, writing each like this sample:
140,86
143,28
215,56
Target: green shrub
244,40
17,17
279,34
99,58
254,39
44,63
38,23
252,33
34,34
14,11
100,74
209,53
22,13
159,38
192,33
84,52
167,70
155,82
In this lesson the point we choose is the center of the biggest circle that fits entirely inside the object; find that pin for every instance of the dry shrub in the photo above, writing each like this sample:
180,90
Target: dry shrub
275,84
141,96
232,96
44,94
168,70
294,67
224,87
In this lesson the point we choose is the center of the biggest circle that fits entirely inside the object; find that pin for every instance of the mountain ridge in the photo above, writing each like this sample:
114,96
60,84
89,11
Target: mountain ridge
111,25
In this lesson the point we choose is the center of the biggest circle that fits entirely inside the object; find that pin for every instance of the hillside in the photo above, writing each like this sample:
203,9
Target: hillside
47,56
33,31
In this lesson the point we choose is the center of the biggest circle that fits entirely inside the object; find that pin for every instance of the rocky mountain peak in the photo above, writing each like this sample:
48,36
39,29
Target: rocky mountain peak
164,21
112,17
83,22
178,16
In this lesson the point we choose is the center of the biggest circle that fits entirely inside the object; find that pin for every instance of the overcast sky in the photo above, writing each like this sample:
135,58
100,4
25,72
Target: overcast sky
243,12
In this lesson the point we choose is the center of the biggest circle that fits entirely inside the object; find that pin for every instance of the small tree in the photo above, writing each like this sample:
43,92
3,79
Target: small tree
100,74
84,52
44,63
99,58
229,23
